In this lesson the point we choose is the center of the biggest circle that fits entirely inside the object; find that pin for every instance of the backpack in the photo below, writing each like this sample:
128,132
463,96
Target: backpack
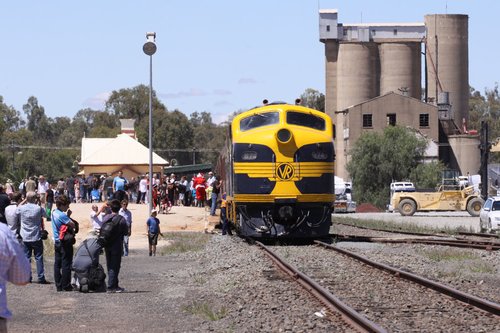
109,229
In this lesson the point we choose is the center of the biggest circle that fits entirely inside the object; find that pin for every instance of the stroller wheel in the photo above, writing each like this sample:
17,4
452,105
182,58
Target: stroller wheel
84,288
84,281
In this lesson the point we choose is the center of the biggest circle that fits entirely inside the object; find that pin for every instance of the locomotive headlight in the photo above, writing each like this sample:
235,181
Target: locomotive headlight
319,155
249,155
284,135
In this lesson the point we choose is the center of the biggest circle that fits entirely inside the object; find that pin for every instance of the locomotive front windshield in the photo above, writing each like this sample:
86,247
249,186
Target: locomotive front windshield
259,120
306,120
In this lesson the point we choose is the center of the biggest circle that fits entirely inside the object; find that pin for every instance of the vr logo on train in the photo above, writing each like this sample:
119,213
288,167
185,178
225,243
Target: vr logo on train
285,171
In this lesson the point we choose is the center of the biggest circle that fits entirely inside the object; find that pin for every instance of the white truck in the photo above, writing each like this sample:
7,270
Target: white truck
343,197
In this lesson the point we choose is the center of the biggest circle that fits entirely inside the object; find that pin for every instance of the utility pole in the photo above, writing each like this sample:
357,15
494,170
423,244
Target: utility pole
484,147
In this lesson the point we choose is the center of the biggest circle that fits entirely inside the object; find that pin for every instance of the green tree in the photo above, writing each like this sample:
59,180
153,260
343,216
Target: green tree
10,118
38,122
380,158
133,103
486,108
207,135
427,175
313,99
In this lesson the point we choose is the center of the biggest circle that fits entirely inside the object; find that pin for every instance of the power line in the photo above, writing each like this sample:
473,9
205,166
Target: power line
19,147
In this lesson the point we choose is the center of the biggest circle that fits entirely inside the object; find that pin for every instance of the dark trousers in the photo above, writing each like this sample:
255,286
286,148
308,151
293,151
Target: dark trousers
113,262
141,196
3,325
226,228
63,258
120,195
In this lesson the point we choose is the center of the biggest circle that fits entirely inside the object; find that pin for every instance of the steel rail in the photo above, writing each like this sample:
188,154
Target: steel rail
334,304
463,233
488,306
393,231
463,243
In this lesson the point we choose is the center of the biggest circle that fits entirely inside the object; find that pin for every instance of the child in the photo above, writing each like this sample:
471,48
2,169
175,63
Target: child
153,228
226,228
78,198
95,220
127,215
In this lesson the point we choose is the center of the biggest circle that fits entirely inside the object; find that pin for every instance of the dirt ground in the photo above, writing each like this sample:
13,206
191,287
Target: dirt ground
178,219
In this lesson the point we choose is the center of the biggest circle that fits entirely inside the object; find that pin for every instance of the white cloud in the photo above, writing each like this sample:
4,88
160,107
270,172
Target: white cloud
222,103
193,92
222,92
97,102
246,80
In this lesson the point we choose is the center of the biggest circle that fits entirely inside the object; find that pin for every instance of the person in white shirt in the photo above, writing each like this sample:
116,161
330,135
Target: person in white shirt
96,218
12,218
43,187
211,178
143,188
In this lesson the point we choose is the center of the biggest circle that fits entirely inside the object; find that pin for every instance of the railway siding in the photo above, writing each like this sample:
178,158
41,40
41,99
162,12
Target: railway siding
387,300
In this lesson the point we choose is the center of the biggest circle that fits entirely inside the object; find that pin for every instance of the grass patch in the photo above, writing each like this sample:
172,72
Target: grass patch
206,311
393,226
481,267
198,278
48,248
449,254
181,242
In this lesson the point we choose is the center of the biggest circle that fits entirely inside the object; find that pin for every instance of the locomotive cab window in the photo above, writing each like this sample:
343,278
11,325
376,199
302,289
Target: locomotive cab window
306,120
259,120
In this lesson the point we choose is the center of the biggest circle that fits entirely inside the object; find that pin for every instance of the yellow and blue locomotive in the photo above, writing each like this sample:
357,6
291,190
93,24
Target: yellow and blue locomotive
278,166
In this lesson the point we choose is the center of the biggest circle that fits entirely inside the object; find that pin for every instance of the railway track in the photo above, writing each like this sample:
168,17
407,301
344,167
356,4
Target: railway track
334,304
383,296
436,239
463,243
463,233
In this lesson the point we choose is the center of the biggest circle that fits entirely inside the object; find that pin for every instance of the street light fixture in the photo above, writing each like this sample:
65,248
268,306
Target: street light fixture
149,49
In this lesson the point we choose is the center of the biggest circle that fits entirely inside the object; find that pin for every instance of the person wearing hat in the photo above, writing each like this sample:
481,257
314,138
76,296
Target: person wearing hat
153,229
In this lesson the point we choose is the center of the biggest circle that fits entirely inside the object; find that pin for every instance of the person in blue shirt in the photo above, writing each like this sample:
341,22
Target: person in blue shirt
119,184
153,227
63,249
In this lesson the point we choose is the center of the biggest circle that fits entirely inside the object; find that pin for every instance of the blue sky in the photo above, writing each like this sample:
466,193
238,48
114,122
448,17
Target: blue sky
217,56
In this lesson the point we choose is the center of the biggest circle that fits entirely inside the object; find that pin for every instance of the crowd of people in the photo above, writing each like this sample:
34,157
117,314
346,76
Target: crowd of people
24,210
167,190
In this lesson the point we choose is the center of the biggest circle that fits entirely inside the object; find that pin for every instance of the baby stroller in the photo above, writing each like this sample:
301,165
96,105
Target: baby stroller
89,274
95,195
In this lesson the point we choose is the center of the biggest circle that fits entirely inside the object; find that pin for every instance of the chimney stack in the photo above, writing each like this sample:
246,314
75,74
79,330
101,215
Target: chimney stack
128,127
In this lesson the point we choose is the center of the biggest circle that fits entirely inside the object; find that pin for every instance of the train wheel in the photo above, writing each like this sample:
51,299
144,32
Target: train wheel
407,207
474,206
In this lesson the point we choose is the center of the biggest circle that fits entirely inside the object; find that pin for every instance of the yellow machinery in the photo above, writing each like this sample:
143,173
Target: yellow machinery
446,198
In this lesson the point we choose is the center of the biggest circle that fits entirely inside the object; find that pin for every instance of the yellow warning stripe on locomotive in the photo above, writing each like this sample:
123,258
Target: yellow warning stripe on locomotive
295,170
271,198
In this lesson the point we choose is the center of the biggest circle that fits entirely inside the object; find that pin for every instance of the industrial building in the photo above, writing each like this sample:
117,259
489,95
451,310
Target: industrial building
374,79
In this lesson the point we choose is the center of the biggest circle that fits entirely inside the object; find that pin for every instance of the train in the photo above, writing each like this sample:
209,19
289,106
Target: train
277,168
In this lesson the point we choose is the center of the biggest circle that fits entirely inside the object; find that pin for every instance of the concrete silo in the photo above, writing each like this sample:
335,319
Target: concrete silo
447,54
357,72
400,66
331,55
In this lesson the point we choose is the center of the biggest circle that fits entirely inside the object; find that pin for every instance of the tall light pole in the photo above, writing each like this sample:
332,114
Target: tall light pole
149,49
